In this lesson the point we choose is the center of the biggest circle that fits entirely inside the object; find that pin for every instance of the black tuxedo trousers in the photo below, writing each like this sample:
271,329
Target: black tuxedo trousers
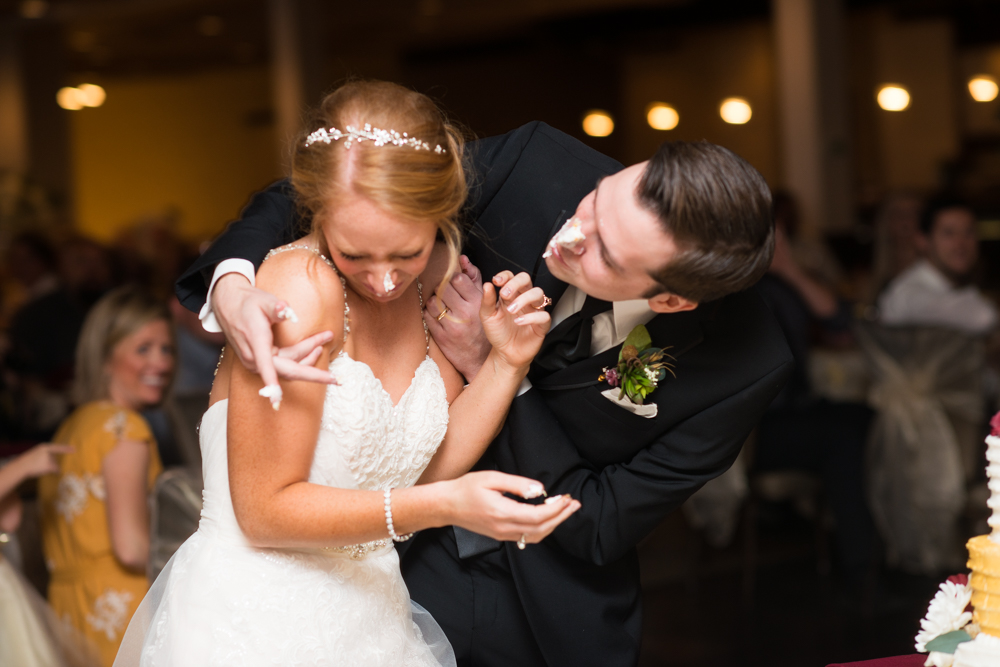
573,599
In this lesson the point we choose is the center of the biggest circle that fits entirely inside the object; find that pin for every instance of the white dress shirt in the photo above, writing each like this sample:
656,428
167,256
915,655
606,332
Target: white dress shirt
241,266
922,295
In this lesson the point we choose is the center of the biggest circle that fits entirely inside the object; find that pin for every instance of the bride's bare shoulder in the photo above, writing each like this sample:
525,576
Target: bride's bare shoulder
310,285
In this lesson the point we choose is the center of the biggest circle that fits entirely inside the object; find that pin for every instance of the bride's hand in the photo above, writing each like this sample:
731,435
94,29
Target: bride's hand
480,506
517,324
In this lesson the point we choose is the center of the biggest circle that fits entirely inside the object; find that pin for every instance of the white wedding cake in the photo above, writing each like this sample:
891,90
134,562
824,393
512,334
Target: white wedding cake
948,620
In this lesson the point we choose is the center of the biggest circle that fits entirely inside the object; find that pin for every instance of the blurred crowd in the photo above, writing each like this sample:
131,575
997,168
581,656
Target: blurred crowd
48,285
877,437
103,376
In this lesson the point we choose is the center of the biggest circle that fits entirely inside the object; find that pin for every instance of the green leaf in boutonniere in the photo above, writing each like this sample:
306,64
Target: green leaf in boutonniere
638,338
640,367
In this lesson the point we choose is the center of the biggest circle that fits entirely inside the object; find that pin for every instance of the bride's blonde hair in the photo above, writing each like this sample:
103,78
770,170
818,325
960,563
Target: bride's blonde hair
416,184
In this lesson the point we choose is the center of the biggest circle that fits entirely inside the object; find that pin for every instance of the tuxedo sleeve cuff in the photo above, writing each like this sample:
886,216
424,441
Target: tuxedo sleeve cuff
240,266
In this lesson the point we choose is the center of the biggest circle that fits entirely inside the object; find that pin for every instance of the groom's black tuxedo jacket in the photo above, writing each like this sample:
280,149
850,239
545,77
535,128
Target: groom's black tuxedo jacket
579,588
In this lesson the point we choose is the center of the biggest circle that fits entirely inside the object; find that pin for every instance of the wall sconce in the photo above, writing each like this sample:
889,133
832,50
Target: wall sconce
893,97
662,116
735,110
983,88
84,95
597,123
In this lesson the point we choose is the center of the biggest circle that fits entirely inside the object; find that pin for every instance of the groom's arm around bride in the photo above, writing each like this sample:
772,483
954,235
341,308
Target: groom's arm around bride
674,244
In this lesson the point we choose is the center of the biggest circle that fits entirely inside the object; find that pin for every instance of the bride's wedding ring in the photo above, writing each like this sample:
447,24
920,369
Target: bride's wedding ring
443,313
546,302
521,543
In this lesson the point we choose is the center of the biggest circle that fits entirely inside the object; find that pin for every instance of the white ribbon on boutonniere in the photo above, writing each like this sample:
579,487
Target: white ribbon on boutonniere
641,367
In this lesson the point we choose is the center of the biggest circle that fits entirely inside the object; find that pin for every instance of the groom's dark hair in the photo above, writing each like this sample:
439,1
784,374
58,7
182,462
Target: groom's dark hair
717,209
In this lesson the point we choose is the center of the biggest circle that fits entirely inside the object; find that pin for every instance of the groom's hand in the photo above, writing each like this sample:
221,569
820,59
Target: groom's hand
246,315
458,332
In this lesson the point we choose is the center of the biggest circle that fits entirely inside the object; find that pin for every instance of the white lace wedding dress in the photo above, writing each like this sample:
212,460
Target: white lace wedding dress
221,601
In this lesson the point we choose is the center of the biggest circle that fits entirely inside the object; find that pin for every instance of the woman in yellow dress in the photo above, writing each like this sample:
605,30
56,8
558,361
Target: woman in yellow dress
95,520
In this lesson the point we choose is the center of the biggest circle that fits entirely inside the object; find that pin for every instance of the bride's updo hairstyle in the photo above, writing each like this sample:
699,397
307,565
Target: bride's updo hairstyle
418,184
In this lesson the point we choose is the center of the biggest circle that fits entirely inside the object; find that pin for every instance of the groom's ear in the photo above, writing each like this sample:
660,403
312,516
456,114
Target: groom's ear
670,303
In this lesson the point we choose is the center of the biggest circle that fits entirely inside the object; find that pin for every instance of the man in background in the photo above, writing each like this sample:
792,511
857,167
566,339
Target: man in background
937,290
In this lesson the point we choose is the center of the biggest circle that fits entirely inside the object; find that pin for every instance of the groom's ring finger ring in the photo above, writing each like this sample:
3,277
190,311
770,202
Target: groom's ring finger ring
546,302
443,313
521,543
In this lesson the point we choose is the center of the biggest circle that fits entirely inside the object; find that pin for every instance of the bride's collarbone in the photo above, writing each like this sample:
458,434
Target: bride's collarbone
392,351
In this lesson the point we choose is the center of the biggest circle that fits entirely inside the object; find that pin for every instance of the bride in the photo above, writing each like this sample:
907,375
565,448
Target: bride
293,561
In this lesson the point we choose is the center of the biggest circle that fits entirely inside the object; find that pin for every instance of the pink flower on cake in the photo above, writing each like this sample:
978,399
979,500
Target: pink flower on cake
995,425
945,614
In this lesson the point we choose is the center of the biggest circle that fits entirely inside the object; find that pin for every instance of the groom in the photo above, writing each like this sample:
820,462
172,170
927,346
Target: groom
673,243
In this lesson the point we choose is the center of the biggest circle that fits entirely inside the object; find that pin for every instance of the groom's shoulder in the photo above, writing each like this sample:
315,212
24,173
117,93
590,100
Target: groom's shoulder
539,163
741,331
737,332
537,145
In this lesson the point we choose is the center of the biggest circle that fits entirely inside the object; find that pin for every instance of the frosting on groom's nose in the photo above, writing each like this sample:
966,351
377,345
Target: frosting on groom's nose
570,237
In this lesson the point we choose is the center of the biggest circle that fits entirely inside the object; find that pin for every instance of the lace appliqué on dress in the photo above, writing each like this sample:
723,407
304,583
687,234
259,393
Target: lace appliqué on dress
383,445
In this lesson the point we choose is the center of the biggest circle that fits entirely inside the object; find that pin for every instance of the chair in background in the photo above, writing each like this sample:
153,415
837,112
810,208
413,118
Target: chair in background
175,503
184,412
924,444
174,513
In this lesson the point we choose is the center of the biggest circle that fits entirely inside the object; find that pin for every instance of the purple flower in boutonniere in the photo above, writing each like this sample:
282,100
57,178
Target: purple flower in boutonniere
641,367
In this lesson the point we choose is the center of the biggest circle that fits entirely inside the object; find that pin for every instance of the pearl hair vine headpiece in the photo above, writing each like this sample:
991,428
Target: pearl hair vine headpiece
378,136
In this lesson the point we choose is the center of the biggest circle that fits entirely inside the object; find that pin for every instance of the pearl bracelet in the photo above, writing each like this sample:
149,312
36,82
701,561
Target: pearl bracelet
388,519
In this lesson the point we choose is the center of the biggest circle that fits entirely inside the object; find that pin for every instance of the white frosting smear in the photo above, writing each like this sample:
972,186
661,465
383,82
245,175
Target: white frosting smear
569,236
288,314
387,283
273,393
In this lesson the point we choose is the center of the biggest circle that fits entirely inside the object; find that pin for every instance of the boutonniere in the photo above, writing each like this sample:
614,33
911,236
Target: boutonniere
641,367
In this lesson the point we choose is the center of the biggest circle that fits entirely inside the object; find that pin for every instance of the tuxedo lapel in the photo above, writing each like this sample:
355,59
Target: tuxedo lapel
680,332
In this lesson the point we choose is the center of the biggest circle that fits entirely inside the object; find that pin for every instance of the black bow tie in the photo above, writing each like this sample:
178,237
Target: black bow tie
568,342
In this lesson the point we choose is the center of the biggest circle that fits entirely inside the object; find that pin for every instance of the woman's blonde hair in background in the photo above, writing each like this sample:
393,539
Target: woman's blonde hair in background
117,315
413,184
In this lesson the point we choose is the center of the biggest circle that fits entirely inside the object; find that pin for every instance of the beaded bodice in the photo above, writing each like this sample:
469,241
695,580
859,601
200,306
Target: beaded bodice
383,445
365,441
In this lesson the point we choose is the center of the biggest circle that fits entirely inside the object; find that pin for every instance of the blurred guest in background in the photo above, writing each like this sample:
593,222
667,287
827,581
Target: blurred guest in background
87,269
801,431
44,331
937,290
197,352
897,230
95,521
151,252
30,634
811,254
31,264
